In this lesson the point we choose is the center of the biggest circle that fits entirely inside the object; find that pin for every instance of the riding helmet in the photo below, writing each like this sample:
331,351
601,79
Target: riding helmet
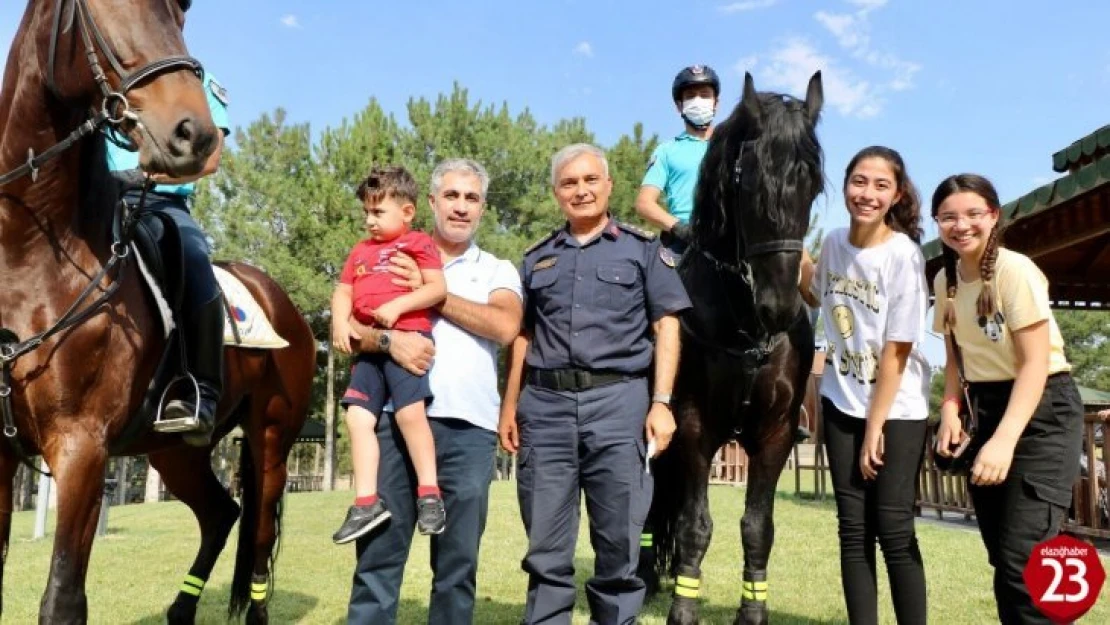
695,75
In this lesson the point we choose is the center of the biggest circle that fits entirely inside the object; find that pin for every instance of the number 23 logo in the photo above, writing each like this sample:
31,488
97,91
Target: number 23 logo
1079,576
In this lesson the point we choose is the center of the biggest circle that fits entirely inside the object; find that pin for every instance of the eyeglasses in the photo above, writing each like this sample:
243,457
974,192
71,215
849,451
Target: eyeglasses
948,220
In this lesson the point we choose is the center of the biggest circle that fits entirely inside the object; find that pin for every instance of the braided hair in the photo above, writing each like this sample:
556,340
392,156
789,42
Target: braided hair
985,306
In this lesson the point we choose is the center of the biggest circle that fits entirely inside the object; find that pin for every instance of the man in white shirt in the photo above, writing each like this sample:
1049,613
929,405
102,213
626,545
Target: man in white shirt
481,313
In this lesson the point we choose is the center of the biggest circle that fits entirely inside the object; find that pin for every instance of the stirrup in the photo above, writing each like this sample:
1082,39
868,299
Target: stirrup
181,424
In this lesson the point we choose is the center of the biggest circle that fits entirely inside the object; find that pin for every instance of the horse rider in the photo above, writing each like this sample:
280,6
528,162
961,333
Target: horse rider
202,317
594,292
673,168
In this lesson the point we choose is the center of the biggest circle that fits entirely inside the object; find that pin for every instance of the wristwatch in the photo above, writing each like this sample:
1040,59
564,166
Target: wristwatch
384,340
661,398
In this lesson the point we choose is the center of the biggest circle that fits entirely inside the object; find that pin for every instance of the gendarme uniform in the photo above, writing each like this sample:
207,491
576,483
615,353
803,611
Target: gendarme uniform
589,310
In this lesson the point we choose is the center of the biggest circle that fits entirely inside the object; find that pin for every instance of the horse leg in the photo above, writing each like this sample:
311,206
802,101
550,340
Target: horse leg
269,448
77,461
187,473
8,465
693,531
757,527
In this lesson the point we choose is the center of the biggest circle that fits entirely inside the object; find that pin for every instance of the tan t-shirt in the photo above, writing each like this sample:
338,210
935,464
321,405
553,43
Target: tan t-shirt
1021,296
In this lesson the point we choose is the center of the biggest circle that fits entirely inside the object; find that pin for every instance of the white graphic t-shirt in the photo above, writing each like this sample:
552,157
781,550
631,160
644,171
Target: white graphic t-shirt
870,296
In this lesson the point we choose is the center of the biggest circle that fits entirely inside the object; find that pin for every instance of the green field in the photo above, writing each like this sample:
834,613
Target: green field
137,567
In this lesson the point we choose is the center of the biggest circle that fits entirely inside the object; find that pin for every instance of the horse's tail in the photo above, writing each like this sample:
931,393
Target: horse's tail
251,503
659,544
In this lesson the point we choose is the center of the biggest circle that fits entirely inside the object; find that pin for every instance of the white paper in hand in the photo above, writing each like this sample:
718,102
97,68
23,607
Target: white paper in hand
650,453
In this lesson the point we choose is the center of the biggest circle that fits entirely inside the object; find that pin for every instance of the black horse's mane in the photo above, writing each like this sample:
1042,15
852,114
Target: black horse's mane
778,150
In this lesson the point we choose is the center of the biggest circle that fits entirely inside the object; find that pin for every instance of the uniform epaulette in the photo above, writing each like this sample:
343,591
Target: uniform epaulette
647,235
531,248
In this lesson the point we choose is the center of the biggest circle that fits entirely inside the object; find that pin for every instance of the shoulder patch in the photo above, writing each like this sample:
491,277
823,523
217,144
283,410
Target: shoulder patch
531,248
646,235
668,256
218,91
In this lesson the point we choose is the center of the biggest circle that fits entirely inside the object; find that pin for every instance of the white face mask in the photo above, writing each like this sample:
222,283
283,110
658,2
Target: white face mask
698,111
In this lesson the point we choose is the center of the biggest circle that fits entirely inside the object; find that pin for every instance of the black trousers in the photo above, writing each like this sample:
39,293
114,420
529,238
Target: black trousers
1030,504
879,510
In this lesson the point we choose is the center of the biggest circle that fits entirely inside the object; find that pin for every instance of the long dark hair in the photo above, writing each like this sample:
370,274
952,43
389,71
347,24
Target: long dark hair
905,214
979,185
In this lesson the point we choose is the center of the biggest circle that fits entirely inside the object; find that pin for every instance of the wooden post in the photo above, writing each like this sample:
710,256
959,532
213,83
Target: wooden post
122,465
42,502
153,484
329,424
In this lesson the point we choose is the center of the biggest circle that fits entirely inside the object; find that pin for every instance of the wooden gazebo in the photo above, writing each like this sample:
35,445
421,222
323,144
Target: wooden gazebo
1064,226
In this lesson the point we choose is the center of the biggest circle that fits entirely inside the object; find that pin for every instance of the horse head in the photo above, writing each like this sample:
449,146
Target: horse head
761,173
127,60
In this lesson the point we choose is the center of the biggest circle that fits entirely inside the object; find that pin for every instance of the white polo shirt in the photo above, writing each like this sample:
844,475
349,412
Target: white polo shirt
464,375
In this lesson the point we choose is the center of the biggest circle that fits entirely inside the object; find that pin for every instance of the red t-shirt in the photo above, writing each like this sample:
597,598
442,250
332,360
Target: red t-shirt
367,271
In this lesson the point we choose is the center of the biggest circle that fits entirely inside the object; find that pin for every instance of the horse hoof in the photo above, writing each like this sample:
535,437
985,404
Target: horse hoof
684,611
182,614
751,614
258,614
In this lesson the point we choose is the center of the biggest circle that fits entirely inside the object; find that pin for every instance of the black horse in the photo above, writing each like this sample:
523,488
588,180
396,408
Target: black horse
747,343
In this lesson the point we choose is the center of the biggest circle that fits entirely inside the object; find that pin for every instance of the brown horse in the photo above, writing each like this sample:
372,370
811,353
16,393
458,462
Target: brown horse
82,337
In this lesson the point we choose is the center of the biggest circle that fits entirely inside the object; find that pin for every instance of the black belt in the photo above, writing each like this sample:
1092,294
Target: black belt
576,380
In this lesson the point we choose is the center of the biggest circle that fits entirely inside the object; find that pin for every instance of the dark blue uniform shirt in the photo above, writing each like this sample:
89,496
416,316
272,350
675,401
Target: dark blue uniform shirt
591,306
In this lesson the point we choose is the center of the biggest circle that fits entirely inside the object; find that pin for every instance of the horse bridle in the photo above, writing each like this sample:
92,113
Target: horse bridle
759,347
115,109
746,251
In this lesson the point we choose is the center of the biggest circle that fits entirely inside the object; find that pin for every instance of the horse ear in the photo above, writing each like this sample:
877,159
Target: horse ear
815,98
750,100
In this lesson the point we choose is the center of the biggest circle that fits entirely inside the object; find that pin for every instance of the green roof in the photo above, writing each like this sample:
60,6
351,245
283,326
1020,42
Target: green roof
1092,397
1096,143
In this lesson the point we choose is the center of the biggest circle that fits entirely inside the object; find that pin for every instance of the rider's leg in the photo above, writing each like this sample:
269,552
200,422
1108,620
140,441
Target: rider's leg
202,325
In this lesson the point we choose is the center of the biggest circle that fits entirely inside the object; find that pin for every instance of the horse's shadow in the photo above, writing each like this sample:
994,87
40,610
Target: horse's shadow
410,611
286,607
659,605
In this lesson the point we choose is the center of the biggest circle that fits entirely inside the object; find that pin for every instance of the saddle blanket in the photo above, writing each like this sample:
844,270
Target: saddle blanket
251,323
250,320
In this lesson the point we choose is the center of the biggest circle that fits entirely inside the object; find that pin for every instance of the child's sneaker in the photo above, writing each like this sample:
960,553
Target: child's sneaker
431,517
360,520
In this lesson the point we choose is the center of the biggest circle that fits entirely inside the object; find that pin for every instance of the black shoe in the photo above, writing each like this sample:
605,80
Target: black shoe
802,435
360,521
431,517
179,416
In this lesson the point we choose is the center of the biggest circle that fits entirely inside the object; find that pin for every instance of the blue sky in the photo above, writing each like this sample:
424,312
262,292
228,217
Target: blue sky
991,86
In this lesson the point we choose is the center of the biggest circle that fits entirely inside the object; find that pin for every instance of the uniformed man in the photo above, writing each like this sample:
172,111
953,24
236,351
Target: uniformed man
599,331
673,168
202,321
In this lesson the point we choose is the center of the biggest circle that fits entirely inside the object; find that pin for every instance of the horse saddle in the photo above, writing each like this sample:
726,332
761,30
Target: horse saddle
157,246
157,242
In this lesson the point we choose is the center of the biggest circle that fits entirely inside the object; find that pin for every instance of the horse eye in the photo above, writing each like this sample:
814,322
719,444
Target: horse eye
185,4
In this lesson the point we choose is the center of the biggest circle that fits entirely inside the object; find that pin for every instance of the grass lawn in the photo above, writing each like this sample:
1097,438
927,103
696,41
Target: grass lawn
137,568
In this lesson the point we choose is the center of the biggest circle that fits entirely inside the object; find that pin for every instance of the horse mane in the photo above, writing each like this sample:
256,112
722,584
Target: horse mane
781,145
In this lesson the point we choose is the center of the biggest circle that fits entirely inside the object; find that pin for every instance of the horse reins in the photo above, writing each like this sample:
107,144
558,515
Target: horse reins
114,110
